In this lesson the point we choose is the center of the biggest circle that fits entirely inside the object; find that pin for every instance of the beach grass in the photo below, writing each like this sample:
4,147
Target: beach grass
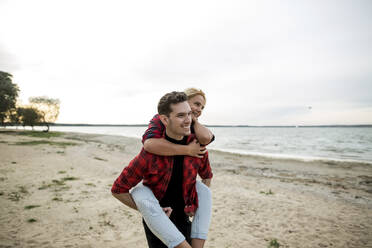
17,195
273,244
32,206
70,178
58,185
14,196
32,220
39,134
44,142
267,193
101,159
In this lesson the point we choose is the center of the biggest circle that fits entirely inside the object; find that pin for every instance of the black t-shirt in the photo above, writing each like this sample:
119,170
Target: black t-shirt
173,196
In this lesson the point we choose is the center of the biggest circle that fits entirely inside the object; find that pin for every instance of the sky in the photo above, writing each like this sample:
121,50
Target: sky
260,62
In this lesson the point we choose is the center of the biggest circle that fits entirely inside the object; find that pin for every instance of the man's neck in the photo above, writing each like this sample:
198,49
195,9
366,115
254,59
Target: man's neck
173,136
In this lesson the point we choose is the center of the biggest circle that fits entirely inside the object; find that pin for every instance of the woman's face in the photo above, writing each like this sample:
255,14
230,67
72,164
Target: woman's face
197,104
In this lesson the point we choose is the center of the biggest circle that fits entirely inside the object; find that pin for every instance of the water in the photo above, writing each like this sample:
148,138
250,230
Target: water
311,143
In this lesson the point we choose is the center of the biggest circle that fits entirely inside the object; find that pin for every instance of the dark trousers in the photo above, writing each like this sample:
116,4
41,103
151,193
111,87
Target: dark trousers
183,225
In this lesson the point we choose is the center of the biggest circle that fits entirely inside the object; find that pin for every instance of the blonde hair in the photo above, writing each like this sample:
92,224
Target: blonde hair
191,92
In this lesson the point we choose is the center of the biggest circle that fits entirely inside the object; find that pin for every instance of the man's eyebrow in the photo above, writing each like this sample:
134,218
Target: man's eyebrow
183,113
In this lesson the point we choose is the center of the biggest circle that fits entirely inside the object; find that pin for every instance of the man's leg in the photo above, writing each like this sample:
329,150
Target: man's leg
183,224
154,242
203,215
157,221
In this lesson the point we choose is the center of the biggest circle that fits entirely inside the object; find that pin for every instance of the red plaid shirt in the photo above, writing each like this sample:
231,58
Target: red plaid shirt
156,172
155,129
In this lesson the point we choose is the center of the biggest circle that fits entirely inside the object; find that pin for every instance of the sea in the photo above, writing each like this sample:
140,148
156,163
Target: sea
353,144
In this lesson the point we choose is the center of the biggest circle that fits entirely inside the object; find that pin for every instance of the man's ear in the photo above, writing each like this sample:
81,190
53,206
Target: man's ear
164,119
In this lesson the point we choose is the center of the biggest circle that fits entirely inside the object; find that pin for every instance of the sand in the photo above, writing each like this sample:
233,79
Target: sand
56,193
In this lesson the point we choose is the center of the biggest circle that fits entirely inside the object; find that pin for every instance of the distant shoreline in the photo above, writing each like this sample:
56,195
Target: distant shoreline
245,126
251,126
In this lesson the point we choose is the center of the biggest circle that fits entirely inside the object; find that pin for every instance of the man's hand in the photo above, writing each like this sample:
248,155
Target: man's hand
195,150
168,211
190,214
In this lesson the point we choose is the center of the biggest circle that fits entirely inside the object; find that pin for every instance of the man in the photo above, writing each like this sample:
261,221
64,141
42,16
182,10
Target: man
171,179
152,139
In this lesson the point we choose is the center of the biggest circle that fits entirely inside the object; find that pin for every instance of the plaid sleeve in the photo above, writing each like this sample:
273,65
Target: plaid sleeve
131,175
205,170
154,130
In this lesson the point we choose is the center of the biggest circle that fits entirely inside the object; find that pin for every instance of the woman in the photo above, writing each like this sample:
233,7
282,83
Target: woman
155,143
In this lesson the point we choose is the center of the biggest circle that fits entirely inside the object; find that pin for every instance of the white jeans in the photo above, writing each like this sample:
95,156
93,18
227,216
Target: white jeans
159,223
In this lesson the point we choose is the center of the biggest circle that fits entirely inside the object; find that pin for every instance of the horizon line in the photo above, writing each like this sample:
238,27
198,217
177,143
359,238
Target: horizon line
216,125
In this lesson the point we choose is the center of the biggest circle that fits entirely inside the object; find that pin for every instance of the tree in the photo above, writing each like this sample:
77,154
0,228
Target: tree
47,107
29,116
8,96
15,117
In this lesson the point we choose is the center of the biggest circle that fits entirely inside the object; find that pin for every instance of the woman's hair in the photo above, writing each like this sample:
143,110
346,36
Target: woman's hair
191,92
174,97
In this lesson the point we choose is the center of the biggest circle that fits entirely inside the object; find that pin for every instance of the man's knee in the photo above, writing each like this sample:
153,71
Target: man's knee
149,207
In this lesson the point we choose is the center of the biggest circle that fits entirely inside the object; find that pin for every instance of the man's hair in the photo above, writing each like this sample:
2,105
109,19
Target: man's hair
191,92
174,97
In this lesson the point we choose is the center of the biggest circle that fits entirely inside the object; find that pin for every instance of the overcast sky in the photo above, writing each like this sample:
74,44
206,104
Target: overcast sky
260,62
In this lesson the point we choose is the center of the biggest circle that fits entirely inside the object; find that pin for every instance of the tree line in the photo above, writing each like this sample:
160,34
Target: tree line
40,110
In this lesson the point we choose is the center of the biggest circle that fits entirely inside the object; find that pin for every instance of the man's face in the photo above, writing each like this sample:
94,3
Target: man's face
197,104
179,120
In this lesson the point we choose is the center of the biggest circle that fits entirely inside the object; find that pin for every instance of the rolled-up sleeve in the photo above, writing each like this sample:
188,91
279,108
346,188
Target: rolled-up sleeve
205,170
130,176
154,130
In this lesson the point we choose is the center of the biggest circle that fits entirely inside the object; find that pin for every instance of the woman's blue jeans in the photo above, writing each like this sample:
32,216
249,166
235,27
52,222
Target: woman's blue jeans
159,223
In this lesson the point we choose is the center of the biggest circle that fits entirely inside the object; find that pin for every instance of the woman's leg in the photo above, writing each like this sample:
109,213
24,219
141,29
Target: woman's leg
154,216
202,219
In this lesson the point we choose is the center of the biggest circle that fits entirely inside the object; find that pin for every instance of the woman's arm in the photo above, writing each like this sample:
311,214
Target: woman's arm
154,142
203,134
163,147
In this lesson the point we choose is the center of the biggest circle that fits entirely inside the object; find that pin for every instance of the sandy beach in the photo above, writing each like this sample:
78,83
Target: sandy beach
55,192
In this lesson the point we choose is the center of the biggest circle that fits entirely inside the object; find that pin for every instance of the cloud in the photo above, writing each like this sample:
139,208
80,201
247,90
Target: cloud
8,61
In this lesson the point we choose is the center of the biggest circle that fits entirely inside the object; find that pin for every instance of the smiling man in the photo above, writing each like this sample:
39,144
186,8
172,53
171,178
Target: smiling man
172,179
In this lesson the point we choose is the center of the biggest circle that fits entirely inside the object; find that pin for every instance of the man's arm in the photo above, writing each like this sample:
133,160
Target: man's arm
128,178
205,170
126,199
207,181
163,147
